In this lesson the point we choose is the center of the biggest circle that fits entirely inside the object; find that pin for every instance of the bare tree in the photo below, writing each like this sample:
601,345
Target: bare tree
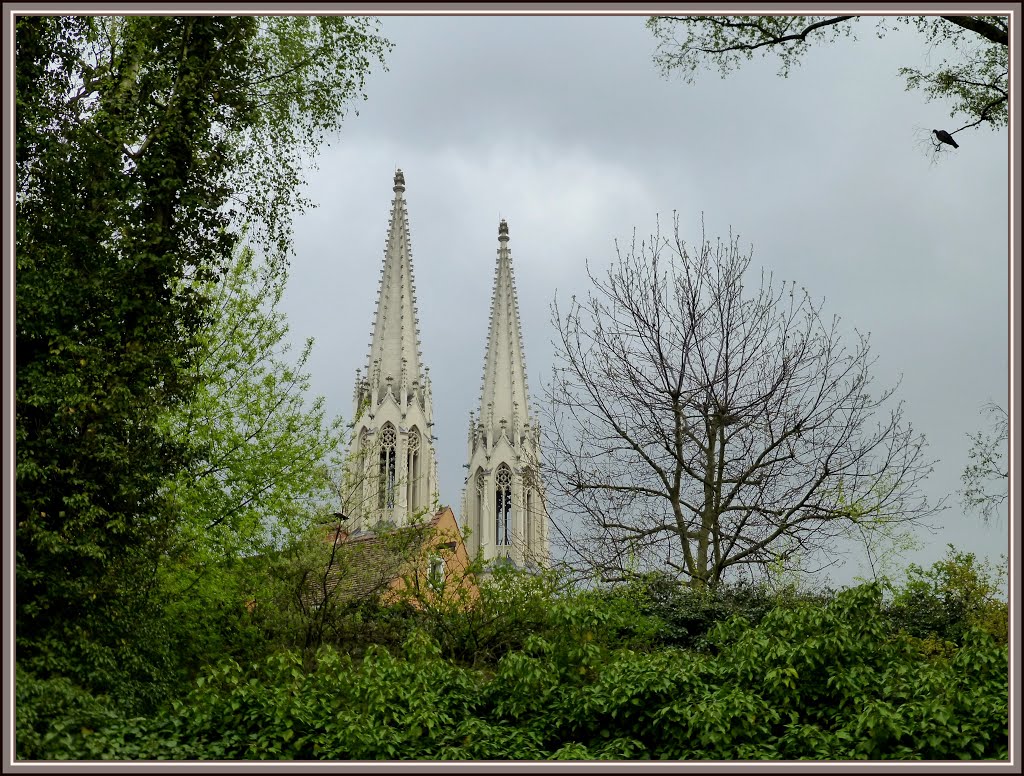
698,426
986,477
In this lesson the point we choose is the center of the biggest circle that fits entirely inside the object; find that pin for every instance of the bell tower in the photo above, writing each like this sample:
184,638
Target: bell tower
503,502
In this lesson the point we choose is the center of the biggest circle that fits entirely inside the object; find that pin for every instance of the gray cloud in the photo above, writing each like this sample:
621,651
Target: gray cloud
563,126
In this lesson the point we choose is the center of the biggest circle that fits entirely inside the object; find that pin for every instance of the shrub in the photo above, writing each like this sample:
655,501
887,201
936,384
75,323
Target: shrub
687,615
808,681
942,604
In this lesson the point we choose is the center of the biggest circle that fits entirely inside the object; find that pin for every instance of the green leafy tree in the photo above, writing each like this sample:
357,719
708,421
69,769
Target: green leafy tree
100,334
265,448
970,53
986,476
141,144
941,604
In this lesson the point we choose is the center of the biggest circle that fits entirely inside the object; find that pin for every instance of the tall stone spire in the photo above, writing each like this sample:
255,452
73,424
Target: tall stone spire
392,470
395,343
504,497
504,398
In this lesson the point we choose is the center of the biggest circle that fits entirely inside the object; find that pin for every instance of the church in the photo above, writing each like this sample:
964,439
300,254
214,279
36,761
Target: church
391,475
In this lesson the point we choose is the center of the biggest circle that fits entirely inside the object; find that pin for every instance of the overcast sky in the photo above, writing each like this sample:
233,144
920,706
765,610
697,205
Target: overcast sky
563,126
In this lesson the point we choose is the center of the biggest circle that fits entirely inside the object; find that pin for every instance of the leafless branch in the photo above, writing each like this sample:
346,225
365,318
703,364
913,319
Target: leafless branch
698,424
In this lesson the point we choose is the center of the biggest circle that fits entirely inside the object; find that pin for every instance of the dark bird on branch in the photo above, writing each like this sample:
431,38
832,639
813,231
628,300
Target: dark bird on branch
945,137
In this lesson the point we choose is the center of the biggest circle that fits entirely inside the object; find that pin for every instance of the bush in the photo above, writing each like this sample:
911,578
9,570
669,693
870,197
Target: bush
52,713
687,615
943,604
512,604
580,676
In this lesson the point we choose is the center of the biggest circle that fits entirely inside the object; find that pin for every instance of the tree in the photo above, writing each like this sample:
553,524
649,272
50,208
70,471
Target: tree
884,543
944,603
265,448
973,73
699,426
142,143
262,472
986,477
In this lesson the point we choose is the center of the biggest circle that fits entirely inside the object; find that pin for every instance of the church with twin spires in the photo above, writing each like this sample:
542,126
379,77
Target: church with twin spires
392,465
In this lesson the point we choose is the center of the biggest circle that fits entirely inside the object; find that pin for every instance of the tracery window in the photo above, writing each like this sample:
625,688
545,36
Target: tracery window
503,506
413,469
386,472
481,487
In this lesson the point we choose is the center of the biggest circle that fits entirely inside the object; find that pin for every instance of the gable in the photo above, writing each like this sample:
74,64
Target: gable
375,564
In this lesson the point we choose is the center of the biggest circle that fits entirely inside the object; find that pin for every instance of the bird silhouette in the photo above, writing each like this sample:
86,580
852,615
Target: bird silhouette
945,137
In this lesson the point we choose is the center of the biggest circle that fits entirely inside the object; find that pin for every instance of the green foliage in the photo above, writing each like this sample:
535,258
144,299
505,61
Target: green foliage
986,476
304,72
142,145
972,69
298,601
685,615
944,604
812,680
264,454
512,606
845,688
968,62
208,619
100,336
261,470
728,41
49,710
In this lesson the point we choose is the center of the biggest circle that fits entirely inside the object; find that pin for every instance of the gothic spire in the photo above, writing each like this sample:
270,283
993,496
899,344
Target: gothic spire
395,360
504,396
503,502
392,466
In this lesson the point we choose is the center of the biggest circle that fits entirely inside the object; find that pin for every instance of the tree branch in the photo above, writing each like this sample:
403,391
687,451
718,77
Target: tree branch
985,29
984,114
770,41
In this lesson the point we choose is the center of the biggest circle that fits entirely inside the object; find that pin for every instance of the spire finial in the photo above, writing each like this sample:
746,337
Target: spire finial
503,231
399,180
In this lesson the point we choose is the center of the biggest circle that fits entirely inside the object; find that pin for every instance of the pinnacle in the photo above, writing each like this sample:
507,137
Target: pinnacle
394,344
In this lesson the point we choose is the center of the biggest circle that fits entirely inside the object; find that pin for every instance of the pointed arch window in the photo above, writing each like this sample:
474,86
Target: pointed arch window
503,506
386,472
478,512
413,469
